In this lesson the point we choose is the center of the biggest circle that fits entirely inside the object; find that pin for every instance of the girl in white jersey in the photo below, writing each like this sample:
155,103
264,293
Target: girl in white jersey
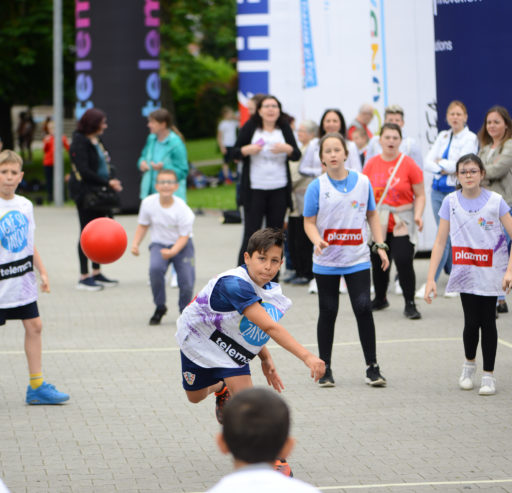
481,267
337,205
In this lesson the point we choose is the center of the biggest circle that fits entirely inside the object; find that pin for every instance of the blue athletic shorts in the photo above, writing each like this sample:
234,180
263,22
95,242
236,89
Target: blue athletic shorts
196,377
24,312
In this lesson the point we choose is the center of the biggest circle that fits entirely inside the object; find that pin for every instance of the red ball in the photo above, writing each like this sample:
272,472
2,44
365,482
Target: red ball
103,240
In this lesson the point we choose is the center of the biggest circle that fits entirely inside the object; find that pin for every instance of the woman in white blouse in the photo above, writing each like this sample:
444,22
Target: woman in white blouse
441,161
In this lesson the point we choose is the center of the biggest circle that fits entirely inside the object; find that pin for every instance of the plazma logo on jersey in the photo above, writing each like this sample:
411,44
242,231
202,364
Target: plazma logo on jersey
252,333
14,231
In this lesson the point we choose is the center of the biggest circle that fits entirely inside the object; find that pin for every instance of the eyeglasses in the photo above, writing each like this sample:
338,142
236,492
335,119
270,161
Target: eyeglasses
470,172
166,182
270,106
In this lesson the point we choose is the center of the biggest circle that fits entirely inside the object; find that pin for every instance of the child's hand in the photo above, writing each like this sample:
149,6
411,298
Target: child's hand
320,245
430,291
135,250
45,283
269,370
507,282
384,258
166,253
316,365
419,223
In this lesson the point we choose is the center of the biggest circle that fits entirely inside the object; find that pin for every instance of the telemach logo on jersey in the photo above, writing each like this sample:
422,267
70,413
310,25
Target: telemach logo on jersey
343,236
472,256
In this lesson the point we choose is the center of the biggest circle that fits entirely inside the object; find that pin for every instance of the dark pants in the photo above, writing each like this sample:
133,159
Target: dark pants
358,286
270,205
183,263
480,314
301,249
48,178
86,216
401,251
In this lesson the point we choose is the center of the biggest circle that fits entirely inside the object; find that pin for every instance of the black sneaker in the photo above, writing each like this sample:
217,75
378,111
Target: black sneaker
411,312
502,307
373,376
379,304
104,281
326,380
157,316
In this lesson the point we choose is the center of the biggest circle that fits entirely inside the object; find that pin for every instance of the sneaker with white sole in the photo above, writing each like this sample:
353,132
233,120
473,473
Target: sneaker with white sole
88,284
104,281
488,386
312,288
398,289
466,377
374,377
420,294
343,286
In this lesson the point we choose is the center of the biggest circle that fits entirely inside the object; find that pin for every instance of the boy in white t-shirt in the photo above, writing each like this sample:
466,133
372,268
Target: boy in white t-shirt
255,432
226,138
18,283
171,221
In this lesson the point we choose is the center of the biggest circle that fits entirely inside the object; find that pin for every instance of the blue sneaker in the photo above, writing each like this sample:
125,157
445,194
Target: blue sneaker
45,394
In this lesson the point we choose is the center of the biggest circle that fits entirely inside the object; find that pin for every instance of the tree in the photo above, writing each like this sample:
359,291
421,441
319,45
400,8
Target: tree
198,55
26,45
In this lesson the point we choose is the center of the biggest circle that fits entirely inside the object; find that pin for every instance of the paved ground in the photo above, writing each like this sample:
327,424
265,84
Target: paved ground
129,428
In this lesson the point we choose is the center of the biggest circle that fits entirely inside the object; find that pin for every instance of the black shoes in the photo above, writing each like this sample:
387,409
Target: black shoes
502,307
157,316
373,376
379,304
410,311
326,380
299,281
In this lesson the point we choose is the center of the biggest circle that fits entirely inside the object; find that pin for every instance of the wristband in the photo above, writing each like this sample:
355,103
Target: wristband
382,246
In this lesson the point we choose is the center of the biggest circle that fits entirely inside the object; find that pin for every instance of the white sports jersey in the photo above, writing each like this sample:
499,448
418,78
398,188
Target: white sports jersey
18,285
341,221
479,248
213,339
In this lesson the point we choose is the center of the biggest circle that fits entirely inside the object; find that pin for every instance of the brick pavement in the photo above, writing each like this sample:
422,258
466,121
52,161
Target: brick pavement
129,428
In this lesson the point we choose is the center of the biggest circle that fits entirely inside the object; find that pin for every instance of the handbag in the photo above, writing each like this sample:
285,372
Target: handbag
101,198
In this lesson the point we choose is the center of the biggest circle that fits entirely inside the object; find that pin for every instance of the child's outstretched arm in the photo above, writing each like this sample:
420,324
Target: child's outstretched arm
435,258
506,220
140,232
269,369
257,314
38,264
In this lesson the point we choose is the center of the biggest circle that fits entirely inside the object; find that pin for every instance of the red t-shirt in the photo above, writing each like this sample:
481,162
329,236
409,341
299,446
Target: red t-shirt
48,148
400,192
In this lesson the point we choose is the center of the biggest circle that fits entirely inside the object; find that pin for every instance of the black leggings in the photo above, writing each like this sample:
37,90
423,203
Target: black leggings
268,204
86,216
301,248
358,286
480,313
401,250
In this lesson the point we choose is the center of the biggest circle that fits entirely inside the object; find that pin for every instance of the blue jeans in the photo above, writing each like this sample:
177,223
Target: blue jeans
184,265
437,198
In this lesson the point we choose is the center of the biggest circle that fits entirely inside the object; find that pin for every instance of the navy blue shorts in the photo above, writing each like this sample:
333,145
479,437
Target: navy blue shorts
24,312
196,377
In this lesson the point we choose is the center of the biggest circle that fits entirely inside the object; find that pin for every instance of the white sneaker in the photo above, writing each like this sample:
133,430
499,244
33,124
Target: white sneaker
488,386
448,294
372,289
312,288
174,280
466,377
398,289
343,286
420,294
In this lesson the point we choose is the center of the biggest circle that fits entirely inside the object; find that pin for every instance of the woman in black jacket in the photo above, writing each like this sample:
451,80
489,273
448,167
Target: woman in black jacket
91,169
265,144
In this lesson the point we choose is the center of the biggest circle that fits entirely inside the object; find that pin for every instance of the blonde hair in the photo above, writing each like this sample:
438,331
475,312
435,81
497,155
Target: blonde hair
10,157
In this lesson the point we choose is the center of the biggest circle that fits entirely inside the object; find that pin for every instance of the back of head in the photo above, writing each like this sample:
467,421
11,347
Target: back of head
256,425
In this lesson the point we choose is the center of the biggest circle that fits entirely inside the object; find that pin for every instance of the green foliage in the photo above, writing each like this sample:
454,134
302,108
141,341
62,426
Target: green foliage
198,61
222,197
202,150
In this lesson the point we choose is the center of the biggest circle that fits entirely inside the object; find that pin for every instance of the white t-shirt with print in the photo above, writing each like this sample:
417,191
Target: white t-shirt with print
167,223
268,170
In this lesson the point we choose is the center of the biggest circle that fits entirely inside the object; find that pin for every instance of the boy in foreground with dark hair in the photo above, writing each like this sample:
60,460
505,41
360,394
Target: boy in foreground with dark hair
255,432
228,323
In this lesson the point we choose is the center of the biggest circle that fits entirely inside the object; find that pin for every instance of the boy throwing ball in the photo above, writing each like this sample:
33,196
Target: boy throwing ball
18,284
230,320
